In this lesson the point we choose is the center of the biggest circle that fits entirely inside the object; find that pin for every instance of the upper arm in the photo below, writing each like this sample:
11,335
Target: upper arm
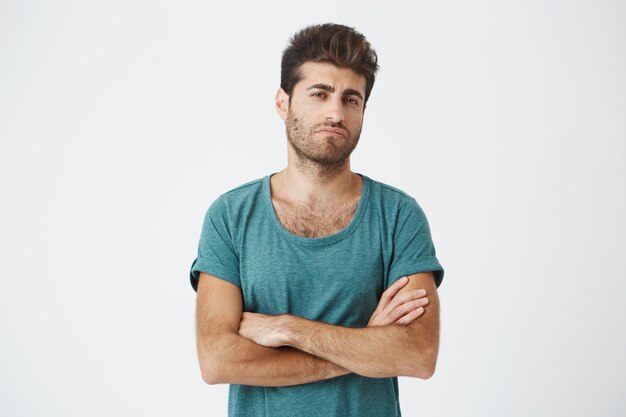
425,328
219,306
217,248
413,248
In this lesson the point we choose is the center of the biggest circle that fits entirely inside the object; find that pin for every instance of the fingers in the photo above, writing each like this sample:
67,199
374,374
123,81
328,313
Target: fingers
413,314
408,311
399,308
404,313
390,292
404,298
409,306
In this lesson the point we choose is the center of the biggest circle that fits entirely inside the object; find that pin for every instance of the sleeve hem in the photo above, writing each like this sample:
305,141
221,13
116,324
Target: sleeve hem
426,264
213,268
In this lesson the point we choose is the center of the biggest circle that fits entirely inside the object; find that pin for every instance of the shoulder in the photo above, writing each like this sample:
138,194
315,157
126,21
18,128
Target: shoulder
396,208
233,208
392,198
244,195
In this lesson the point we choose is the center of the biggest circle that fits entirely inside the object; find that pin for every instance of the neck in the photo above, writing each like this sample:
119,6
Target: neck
313,184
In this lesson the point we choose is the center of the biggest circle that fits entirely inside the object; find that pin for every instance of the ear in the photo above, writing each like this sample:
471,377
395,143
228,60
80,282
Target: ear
282,103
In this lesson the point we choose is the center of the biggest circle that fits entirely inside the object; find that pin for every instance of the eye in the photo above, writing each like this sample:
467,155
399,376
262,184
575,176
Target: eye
318,94
352,101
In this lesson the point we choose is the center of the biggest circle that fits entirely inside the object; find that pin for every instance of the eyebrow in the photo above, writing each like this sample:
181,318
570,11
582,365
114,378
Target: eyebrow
346,92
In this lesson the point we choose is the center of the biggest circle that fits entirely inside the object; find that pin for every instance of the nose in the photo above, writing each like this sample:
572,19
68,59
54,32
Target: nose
334,111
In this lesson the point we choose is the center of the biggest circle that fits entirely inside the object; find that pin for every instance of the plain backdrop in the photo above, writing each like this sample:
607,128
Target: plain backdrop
121,121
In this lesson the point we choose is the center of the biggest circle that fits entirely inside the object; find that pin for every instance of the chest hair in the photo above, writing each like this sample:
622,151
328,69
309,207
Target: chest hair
320,221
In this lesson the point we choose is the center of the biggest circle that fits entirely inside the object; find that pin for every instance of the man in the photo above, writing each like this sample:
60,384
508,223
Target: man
301,302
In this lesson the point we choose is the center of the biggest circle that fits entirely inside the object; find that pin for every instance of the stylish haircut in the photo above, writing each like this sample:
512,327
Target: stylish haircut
336,44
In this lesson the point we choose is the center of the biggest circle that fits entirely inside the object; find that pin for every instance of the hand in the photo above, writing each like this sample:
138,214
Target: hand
399,309
262,329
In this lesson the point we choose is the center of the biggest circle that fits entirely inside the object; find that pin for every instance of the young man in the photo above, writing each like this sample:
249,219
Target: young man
303,304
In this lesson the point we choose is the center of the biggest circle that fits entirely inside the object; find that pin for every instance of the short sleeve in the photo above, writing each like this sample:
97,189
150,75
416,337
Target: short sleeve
216,251
413,248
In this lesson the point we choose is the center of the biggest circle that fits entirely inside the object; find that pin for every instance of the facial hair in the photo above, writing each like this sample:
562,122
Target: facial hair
327,153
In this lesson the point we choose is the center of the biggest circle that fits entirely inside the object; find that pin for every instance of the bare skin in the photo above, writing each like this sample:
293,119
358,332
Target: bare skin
226,356
375,352
318,221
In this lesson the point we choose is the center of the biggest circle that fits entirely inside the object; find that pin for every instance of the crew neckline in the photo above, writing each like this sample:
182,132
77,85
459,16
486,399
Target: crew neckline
317,241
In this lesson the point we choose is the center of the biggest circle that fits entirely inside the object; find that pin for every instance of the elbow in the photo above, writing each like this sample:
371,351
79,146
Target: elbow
211,372
426,373
210,378
214,358
424,365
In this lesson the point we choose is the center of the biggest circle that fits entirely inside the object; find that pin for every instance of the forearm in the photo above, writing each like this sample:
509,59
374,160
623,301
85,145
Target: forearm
374,352
237,360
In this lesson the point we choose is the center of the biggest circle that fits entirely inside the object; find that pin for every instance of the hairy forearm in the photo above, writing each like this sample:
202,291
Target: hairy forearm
237,360
376,352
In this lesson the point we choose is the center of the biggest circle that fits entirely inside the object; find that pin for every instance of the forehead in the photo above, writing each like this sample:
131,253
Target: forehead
325,73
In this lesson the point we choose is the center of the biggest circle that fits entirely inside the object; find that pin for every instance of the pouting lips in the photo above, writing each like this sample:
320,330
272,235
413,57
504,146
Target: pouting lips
332,132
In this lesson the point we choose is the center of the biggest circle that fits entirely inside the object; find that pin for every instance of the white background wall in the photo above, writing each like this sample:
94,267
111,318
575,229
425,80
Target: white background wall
121,121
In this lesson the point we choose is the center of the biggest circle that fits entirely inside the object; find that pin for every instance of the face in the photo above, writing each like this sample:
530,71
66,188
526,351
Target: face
324,120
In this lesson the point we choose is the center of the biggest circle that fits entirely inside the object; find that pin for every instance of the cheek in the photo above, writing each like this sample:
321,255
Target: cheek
356,123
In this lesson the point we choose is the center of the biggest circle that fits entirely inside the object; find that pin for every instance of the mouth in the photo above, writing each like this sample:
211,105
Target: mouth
338,133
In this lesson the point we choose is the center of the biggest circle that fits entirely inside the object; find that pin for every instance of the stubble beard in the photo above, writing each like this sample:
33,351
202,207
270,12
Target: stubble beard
321,154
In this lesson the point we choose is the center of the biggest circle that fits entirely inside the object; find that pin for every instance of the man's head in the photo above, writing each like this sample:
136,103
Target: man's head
328,73
335,44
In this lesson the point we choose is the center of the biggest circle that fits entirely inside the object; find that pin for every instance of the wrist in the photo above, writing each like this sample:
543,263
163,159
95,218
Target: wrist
336,370
287,325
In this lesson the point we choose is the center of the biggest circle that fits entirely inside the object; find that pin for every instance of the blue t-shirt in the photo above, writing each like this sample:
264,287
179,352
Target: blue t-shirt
337,279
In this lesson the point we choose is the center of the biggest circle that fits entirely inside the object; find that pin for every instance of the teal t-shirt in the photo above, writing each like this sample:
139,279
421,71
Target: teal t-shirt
337,279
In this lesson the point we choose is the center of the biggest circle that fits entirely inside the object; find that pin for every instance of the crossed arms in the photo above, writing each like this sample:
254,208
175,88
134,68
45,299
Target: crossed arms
238,347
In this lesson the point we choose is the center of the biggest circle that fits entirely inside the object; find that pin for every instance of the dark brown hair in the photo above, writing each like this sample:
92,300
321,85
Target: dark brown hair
332,43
